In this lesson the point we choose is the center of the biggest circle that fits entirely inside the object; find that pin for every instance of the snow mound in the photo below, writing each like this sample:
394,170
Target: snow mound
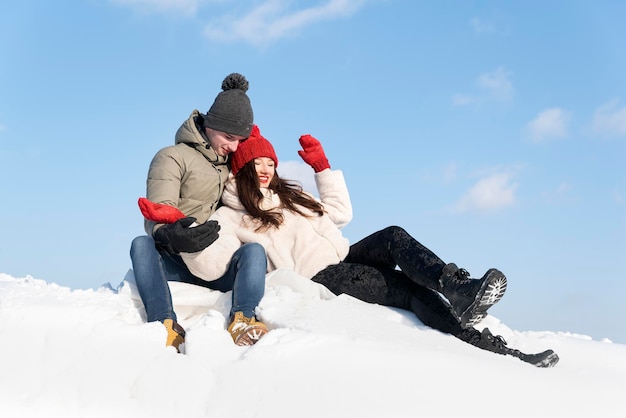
89,353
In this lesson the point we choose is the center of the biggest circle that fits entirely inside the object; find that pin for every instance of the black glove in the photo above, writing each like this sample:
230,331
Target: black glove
178,237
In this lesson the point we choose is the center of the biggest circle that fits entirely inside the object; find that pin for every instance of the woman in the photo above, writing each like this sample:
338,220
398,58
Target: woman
303,234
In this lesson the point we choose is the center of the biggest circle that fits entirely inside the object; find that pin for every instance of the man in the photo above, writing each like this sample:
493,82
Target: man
189,177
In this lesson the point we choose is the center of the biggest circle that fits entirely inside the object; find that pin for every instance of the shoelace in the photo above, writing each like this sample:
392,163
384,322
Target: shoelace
497,340
462,276
239,325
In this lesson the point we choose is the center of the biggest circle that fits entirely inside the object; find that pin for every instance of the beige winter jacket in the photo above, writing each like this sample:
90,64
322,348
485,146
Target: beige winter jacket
189,175
303,244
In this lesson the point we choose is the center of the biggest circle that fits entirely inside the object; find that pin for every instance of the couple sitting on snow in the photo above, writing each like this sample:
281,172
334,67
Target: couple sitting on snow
266,223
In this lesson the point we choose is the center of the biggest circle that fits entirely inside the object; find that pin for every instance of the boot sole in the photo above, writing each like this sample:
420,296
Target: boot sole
489,294
251,335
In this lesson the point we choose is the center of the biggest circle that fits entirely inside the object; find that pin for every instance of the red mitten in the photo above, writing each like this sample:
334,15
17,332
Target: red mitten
313,154
158,212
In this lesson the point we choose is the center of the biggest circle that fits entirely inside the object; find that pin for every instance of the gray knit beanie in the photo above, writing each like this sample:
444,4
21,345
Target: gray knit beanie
231,111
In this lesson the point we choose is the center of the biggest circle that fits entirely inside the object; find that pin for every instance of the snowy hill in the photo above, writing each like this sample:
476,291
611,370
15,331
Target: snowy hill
87,353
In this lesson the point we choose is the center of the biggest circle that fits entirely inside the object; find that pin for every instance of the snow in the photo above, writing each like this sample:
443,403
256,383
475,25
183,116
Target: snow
89,353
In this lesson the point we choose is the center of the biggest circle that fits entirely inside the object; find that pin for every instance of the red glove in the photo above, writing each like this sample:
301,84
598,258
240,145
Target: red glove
313,154
158,212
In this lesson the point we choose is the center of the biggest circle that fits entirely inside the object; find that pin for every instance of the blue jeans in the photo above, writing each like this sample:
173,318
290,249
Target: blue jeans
153,268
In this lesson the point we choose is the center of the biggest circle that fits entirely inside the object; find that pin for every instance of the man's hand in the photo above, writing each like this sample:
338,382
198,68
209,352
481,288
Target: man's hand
179,237
158,212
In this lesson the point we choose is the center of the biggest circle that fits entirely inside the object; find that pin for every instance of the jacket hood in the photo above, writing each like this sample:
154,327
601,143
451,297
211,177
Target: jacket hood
188,133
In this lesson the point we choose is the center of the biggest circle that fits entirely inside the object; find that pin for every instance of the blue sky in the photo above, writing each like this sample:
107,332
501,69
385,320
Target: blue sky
495,133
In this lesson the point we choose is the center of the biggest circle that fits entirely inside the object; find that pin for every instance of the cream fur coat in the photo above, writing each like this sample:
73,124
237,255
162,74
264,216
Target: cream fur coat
305,245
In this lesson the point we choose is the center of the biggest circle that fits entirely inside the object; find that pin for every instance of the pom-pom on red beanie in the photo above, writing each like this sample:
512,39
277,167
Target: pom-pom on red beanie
254,147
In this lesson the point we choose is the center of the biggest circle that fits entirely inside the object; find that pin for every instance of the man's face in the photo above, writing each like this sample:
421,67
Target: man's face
222,143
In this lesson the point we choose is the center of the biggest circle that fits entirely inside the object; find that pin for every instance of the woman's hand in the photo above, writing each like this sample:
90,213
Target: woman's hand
313,154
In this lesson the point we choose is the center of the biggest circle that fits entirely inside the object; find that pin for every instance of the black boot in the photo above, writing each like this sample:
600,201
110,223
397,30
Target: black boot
495,343
471,298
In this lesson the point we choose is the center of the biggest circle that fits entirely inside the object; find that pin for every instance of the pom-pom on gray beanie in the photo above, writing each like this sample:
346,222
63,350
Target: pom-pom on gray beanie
231,111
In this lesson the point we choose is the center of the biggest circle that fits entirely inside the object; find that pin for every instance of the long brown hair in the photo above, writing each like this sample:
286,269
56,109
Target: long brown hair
291,195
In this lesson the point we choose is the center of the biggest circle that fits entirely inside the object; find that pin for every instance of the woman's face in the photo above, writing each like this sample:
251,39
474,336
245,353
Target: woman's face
264,170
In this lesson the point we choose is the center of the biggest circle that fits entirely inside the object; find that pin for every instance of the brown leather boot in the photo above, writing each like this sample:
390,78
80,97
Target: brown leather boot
175,334
246,331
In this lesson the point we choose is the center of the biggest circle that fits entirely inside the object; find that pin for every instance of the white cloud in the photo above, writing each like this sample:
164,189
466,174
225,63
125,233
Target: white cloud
253,22
463,100
496,191
551,123
563,194
183,7
494,86
481,26
563,189
274,19
450,173
299,171
493,26
498,84
610,119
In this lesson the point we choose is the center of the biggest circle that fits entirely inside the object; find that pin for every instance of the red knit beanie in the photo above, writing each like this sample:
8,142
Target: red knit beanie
254,147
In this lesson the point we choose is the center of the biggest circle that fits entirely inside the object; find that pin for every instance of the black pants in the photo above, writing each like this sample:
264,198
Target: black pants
369,273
